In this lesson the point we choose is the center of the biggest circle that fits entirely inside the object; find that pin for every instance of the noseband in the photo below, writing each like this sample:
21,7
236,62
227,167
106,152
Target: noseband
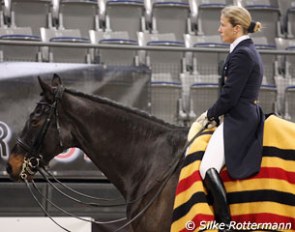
33,159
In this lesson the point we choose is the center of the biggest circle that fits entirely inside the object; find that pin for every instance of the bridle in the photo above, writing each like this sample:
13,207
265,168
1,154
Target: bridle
33,162
33,159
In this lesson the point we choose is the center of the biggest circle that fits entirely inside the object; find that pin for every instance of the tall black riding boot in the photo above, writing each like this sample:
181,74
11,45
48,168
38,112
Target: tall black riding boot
216,191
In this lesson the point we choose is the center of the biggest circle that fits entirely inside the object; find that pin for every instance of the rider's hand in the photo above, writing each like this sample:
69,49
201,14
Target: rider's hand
202,119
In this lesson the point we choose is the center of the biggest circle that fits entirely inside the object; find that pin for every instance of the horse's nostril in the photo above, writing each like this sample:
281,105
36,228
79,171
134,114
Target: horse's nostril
9,169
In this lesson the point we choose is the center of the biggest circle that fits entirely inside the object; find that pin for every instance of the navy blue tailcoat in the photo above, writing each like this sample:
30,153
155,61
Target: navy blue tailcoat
243,118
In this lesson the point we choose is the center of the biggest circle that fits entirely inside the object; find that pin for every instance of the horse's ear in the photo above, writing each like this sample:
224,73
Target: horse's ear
47,90
56,80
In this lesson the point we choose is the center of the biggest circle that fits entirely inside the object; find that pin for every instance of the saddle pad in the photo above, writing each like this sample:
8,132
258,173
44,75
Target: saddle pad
265,201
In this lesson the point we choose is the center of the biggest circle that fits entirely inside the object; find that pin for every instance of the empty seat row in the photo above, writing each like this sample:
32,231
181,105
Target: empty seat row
168,63
168,100
205,64
180,17
285,79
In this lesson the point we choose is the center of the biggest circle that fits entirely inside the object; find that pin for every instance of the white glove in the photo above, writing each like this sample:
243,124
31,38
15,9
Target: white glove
202,119
197,126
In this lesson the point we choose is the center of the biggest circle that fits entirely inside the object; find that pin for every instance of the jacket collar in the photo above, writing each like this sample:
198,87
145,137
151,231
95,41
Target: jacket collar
238,41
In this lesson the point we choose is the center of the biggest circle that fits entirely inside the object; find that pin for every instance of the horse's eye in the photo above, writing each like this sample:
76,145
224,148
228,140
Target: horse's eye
34,122
40,109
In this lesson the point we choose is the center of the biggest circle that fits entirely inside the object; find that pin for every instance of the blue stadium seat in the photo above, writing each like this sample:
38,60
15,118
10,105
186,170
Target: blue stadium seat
287,61
268,59
166,65
268,98
209,15
290,103
64,54
170,17
19,53
164,100
125,15
205,66
2,15
285,71
290,19
31,13
203,96
113,56
79,14
283,7
267,12
290,60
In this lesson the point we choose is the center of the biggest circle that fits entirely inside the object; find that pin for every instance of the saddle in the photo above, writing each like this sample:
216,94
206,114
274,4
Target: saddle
265,201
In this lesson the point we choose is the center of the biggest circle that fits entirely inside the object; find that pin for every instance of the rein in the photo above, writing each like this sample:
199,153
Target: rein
33,162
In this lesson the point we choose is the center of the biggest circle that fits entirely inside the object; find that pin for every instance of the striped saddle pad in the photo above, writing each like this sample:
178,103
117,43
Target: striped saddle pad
264,202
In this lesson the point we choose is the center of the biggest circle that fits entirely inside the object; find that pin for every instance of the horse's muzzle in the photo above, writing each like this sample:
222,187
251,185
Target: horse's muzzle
14,166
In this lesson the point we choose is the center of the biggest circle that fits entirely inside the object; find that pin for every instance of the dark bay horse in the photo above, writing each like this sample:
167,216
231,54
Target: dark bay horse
133,149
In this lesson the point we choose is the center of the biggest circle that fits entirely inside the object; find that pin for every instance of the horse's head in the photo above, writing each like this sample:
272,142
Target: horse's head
39,140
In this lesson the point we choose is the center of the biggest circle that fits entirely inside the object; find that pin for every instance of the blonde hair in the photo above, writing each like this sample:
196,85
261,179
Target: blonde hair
238,15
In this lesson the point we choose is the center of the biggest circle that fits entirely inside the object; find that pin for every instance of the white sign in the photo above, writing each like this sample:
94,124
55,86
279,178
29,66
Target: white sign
44,224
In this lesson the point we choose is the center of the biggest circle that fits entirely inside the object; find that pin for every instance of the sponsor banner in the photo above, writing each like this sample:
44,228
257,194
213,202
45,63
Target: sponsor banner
20,91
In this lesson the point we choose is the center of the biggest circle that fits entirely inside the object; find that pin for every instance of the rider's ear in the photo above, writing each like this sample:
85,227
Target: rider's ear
56,80
47,89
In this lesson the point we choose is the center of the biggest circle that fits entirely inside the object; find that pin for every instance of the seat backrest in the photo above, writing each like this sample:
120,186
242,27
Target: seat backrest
290,59
267,98
290,17
209,16
2,8
31,13
267,12
113,56
164,100
166,65
206,65
19,53
267,59
125,15
287,61
203,95
284,6
65,54
290,103
170,17
78,14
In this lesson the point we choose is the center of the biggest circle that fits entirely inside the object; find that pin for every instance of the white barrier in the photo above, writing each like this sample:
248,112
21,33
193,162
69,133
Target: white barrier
37,224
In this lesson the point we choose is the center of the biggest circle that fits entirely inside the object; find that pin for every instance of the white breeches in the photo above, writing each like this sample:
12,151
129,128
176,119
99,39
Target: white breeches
214,154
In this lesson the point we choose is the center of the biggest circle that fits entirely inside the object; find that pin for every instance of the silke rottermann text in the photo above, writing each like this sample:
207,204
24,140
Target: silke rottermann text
213,225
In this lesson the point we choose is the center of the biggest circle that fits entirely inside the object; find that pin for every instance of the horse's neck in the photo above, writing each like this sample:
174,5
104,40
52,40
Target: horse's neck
127,148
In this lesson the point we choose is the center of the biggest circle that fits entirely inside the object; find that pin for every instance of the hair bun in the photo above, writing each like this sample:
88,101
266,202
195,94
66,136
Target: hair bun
254,26
251,27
